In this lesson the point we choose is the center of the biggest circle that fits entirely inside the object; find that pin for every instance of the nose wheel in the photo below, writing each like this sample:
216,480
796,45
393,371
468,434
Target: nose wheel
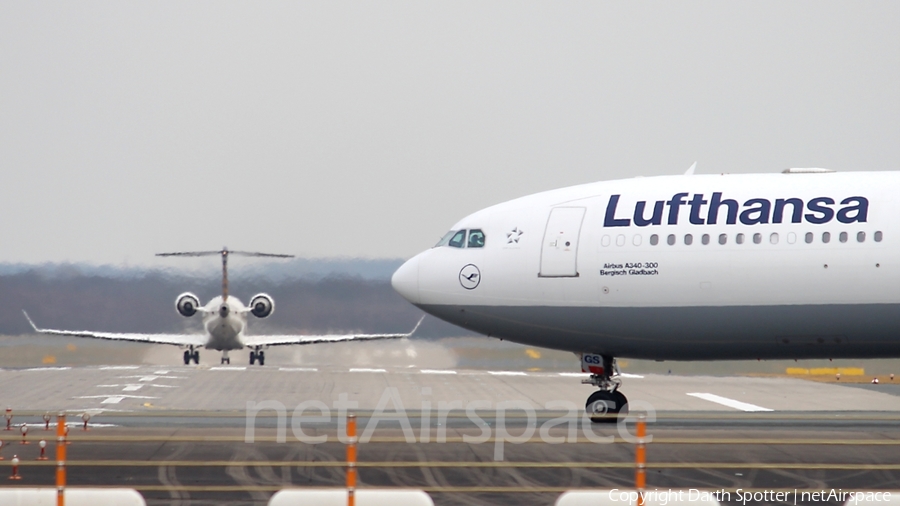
607,403
225,359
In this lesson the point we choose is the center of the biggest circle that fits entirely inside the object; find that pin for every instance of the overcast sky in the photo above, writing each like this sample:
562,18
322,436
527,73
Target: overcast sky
366,129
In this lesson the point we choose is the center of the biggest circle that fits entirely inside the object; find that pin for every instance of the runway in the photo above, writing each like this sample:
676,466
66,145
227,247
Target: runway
136,389
180,433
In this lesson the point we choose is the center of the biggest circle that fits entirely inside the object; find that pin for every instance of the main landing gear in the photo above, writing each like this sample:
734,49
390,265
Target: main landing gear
259,355
190,355
225,359
605,404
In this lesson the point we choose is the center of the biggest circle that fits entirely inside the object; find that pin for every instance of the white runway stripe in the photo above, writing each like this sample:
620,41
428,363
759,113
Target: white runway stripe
363,369
507,373
725,401
298,369
118,367
227,368
437,371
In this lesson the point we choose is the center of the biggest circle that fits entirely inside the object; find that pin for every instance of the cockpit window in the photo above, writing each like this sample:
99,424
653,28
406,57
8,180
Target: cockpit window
444,240
458,240
476,239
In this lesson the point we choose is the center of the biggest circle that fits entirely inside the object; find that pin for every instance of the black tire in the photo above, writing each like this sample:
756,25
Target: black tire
197,357
252,357
262,358
605,407
187,357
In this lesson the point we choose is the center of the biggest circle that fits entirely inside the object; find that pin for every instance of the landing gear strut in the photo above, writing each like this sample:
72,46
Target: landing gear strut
605,404
225,359
259,355
191,355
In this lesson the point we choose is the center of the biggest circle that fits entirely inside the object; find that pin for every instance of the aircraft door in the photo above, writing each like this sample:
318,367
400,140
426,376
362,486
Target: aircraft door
559,251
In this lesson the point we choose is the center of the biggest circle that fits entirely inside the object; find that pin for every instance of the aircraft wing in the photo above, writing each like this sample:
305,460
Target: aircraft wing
174,339
276,340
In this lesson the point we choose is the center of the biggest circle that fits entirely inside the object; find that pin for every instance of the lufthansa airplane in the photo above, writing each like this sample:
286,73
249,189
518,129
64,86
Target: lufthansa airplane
224,322
796,265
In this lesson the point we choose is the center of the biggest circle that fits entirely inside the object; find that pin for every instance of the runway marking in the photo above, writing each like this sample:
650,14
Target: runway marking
132,388
437,371
507,373
161,373
114,399
48,369
363,369
119,367
298,369
228,368
725,401
575,374
633,376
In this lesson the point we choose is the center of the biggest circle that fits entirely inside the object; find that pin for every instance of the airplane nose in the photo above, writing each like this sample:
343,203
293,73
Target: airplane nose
406,280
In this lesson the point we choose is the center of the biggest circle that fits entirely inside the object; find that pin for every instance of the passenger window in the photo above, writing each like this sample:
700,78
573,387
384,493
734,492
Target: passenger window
792,238
860,237
826,237
444,240
773,238
809,238
636,240
739,238
723,238
688,239
671,239
654,239
476,238
604,241
620,240
705,239
757,238
458,240
878,236
843,237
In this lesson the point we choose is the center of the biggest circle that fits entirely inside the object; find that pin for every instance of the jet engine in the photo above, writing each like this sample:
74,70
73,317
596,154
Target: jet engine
262,305
187,304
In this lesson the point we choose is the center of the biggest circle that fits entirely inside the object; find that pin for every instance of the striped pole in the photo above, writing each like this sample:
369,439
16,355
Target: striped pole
351,459
61,459
640,459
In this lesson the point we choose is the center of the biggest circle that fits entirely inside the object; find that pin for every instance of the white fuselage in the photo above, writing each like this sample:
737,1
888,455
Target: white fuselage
224,322
680,267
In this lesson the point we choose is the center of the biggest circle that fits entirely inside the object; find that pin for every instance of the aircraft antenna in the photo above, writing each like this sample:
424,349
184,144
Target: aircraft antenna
224,252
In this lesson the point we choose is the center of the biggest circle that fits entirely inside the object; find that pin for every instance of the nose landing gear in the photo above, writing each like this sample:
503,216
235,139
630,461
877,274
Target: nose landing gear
225,359
607,403
258,355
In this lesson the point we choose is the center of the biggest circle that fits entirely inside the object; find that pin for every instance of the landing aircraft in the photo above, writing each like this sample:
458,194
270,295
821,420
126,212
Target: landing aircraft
224,320
792,265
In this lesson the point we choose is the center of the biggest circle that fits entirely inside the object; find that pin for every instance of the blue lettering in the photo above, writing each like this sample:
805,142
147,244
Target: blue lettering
761,212
611,220
656,219
861,208
796,213
717,202
696,203
754,211
818,205
674,204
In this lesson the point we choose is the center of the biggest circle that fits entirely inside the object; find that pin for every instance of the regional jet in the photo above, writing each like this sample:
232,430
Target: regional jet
792,265
224,322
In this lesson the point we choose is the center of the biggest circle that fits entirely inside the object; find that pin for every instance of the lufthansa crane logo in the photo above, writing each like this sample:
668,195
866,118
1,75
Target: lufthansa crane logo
469,277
